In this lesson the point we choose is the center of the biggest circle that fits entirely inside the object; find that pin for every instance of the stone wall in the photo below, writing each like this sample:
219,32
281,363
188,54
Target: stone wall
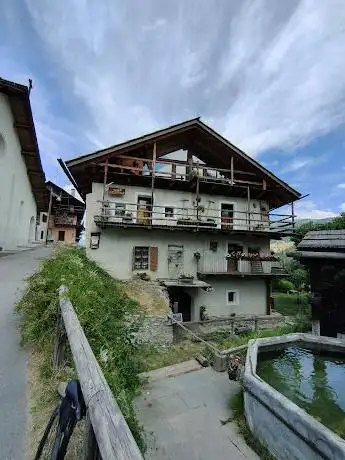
155,330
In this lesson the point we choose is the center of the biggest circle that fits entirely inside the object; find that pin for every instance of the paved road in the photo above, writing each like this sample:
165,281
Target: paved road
13,360
182,418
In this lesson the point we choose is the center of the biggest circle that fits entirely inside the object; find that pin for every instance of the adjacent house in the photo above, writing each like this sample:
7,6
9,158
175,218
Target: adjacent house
187,208
23,192
323,252
62,222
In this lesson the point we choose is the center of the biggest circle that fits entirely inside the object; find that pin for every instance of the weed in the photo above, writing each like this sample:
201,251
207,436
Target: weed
104,312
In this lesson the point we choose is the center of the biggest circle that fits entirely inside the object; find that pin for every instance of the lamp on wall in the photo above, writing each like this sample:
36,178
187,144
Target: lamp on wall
94,240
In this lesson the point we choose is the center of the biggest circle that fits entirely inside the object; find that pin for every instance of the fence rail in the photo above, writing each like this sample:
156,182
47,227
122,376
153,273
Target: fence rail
108,435
121,214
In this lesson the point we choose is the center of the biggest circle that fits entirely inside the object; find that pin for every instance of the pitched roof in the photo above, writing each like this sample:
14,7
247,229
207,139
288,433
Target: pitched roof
323,239
204,133
19,100
67,198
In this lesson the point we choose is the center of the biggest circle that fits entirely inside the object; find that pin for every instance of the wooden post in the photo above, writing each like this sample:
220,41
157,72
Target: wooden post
154,156
91,450
293,215
59,344
232,327
232,170
190,162
255,323
248,206
173,171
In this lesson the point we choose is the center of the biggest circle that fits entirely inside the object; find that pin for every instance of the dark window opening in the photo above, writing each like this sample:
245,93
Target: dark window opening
44,218
61,235
169,212
213,246
42,234
141,258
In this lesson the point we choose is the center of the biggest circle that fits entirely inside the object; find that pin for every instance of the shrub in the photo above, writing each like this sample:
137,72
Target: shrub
285,286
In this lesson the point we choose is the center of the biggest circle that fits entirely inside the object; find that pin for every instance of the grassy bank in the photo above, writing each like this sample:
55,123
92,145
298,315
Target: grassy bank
103,310
291,304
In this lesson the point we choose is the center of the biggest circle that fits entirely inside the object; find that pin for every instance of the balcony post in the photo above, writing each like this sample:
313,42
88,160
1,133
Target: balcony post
154,157
248,206
293,215
105,179
232,170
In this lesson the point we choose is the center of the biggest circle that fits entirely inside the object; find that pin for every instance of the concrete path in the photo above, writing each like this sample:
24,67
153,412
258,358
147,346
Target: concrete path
13,360
182,418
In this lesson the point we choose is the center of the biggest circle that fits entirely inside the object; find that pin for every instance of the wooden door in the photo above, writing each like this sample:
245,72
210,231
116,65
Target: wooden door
232,264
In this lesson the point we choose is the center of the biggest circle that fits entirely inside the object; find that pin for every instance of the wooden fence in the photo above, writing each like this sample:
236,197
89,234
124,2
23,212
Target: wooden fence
107,433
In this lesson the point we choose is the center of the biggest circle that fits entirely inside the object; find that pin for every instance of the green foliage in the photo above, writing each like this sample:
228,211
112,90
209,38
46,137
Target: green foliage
284,285
104,312
338,223
291,304
237,407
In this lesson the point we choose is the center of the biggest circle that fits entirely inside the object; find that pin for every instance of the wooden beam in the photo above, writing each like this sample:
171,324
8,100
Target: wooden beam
105,178
154,155
19,125
232,169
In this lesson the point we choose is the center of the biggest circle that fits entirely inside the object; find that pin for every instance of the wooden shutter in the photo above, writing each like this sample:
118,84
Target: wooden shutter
153,258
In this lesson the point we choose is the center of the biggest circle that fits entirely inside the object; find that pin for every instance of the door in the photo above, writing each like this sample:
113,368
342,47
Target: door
181,302
144,206
227,216
232,263
175,261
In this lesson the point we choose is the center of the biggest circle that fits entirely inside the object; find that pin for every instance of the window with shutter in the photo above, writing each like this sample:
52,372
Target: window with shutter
153,258
140,258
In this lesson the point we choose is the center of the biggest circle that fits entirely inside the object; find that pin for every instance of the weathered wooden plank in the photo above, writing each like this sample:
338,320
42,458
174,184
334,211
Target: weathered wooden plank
113,436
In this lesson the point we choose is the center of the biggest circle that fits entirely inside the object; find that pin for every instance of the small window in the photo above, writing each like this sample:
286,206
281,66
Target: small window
232,297
42,234
44,218
213,246
61,235
120,209
141,258
169,212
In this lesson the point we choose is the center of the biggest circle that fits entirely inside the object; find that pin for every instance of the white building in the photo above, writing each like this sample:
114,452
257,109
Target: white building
22,183
200,224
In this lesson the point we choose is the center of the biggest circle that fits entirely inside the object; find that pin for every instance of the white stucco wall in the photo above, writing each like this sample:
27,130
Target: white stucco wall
17,203
251,293
42,227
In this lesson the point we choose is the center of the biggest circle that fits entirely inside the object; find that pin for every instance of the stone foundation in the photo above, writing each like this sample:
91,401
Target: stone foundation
155,330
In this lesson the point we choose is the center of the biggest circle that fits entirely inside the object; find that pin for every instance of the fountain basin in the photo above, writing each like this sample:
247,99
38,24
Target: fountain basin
288,431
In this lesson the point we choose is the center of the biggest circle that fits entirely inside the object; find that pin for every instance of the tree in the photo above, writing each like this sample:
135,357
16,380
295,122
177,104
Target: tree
338,223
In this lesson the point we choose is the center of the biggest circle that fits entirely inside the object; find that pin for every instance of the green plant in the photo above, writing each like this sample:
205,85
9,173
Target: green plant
285,286
109,318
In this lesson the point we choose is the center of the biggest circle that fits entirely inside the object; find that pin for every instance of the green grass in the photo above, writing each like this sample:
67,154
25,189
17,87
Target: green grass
103,311
237,407
287,304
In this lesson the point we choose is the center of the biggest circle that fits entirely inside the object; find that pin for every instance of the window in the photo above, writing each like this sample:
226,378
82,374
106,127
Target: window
213,246
232,297
141,258
42,234
44,218
169,212
61,235
120,209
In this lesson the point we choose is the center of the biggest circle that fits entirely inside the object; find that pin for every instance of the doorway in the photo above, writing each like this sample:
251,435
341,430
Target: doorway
61,235
144,210
227,216
232,263
32,229
175,261
181,302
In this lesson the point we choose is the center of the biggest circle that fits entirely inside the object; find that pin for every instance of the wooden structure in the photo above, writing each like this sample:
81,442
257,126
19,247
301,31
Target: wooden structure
65,215
108,436
220,169
323,252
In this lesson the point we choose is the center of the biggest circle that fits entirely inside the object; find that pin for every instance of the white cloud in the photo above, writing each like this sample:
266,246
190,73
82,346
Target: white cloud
297,163
270,77
341,185
307,209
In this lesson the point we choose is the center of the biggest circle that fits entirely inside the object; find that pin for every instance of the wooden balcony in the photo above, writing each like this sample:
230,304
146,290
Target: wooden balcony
133,215
212,266
65,221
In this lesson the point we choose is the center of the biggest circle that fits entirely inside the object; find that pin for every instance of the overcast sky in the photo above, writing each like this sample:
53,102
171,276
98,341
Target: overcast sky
267,74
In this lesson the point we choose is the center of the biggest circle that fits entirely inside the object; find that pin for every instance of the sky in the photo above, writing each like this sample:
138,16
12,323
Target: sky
266,74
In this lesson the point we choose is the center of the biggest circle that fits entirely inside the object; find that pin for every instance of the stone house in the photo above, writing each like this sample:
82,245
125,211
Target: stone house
185,207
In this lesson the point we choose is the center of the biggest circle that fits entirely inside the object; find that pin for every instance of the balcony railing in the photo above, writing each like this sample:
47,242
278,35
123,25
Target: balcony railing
209,265
112,214
68,221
